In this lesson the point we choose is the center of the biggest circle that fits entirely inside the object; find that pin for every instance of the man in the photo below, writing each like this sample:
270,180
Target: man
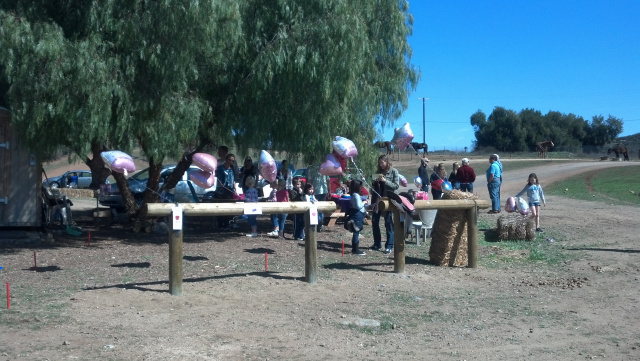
223,151
226,188
494,176
466,176
321,187
423,173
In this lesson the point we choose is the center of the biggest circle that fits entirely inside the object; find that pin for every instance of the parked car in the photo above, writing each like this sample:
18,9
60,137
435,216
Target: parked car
182,193
71,179
302,173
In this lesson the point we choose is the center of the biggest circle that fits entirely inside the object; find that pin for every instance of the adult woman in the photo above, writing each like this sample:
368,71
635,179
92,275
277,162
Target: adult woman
494,176
387,179
247,170
285,174
437,177
453,176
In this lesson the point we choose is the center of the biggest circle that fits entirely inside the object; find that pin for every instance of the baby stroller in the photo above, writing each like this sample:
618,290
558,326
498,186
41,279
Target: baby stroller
56,207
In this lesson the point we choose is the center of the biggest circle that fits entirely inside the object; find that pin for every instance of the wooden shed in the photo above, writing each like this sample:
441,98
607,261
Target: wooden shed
20,179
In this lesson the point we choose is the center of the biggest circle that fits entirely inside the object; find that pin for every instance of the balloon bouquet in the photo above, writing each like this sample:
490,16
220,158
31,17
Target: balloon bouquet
205,178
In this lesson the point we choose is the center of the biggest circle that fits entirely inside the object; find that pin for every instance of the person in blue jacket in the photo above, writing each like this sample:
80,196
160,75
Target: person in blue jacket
494,180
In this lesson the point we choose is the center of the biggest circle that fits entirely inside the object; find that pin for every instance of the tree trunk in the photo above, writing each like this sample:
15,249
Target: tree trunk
99,173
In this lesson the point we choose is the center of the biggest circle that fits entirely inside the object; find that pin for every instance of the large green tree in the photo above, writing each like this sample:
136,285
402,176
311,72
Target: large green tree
172,76
507,130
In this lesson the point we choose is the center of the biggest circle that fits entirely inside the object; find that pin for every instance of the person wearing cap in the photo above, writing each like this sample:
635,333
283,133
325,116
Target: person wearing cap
494,176
466,176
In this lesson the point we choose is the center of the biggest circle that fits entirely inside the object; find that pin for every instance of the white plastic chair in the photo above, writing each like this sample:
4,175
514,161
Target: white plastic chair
424,226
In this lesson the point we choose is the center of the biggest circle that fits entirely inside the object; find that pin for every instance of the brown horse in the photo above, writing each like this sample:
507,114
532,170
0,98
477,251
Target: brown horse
542,148
418,146
386,145
619,149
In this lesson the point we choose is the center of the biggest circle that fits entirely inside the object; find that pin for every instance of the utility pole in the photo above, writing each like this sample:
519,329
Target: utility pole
424,138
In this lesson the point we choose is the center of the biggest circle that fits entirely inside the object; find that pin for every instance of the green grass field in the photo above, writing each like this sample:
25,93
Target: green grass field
606,185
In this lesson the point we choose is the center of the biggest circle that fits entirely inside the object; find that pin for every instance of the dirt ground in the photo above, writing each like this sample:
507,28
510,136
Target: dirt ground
110,300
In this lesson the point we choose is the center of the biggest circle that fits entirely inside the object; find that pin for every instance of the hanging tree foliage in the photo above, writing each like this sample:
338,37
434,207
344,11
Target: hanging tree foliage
172,76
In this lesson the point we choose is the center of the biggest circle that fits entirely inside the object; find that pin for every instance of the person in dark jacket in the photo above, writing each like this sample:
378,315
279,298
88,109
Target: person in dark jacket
423,173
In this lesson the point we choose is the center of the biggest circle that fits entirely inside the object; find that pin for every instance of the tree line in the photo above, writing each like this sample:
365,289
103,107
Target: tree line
512,131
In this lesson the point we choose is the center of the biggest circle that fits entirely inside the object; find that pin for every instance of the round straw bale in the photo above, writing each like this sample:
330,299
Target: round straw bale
449,236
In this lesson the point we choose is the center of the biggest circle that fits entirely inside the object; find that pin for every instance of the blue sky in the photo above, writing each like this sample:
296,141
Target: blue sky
580,57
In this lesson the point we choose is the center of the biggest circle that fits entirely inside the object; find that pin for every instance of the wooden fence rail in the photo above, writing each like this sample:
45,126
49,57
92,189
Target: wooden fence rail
236,209
469,206
311,245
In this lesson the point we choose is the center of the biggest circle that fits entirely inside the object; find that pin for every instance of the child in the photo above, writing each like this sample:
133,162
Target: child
296,194
251,195
534,196
274,217
356,216
308,193
282,195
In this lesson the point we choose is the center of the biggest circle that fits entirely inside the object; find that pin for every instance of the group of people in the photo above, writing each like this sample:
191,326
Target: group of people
461,177
533,190
287,188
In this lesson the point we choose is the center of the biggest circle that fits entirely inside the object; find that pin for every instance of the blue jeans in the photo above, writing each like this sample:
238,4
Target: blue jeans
320,198
253,221
436,193
298,225
277,220
494,193
388,225
466,187
358,220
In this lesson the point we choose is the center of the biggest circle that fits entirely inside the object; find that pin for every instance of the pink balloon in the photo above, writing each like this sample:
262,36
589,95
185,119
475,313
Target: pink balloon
341,160
510,206
402,137
331,166
345,147
205,161
203,179
403,180
118,161
522,206
268,167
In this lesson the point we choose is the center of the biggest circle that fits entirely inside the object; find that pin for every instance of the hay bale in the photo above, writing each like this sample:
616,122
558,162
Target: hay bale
449,239
77,193
515,226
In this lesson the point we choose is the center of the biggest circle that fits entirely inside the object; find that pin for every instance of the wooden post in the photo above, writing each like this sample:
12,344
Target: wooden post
310,250
175,262
398,242
472,237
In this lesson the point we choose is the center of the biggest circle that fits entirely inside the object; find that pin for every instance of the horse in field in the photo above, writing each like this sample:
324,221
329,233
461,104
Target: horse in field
619,149
542,148
386,145
418,146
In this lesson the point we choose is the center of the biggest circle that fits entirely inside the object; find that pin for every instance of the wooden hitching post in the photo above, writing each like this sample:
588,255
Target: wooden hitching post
175,262
472,237
310,250
398,241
